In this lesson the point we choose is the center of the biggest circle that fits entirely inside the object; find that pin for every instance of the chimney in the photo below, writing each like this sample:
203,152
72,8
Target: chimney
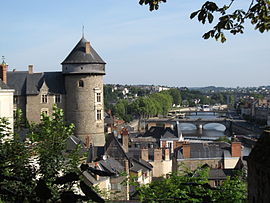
157,154
124,133
167,154
87,47
144,154
3,72
236,149
30,69
186,150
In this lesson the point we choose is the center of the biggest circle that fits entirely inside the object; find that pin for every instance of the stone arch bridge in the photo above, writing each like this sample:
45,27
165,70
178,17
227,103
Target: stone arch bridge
199,123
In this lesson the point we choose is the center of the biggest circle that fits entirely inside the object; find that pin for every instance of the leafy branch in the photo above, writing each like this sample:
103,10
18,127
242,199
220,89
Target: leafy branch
258,13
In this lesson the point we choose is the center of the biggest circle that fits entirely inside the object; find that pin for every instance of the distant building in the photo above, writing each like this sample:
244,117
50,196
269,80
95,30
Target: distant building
77,89
215,154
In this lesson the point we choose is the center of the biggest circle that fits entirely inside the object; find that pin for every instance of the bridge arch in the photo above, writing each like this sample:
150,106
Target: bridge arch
188,126
215,126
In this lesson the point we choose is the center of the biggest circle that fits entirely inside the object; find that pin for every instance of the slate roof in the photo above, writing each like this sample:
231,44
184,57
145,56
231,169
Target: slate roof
206,150
72,143
139,164
112,165
17,81
30,84
160,133
78,55
3,85
220,174
95,153
136,153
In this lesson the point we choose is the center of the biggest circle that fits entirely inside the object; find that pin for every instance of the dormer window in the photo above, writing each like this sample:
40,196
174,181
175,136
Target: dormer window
81,83
44,98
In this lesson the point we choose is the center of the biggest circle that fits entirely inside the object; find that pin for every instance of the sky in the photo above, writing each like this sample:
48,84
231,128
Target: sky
163,47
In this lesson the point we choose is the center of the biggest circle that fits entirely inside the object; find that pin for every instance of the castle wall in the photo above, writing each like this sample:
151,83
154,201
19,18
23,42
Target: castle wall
82,106
35,106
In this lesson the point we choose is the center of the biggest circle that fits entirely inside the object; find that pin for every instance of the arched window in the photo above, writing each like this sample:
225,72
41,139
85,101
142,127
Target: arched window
81,84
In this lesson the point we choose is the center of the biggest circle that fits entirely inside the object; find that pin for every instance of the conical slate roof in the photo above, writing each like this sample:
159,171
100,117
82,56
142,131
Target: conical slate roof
79,56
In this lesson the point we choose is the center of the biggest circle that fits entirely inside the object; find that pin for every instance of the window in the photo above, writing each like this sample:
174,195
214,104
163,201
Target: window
217,183
98,97
44,98
169,144
44,111
57,98
98,115
81,84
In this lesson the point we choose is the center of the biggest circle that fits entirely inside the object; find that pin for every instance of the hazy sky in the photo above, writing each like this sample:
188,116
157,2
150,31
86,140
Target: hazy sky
140,47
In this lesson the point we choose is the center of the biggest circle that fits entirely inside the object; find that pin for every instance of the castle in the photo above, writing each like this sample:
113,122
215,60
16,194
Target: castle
77,89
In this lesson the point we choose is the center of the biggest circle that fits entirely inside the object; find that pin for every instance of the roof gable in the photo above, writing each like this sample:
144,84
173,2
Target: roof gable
114,149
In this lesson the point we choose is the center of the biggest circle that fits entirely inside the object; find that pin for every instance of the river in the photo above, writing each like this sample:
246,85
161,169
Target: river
211,131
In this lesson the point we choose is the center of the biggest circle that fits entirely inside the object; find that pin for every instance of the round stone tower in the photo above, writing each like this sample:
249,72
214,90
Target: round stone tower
83,70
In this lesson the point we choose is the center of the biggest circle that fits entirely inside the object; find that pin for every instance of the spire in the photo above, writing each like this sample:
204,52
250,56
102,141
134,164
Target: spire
83,31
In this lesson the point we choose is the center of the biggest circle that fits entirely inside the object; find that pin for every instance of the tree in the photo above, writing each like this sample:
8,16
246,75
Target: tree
176,96
229,19
192,186
39,169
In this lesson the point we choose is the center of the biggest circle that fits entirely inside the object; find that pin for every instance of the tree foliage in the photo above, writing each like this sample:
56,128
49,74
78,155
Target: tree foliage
39,169
146,106
192,186
229,18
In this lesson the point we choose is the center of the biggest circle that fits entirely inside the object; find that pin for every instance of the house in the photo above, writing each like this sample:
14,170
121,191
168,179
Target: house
77,89
159,137
114,155
215,154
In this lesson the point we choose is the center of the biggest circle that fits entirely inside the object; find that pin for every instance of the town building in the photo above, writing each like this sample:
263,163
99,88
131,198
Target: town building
77,89
215,154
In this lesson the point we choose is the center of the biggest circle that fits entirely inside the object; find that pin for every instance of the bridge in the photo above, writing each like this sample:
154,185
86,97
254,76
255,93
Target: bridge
199,123
182,112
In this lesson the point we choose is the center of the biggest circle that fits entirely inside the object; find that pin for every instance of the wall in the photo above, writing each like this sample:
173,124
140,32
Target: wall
81,107
195,163
161,168
34,106
6,105
230,162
